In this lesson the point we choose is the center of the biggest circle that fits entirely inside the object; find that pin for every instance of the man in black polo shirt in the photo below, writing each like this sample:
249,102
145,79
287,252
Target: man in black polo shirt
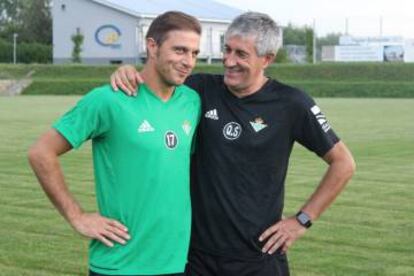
249,125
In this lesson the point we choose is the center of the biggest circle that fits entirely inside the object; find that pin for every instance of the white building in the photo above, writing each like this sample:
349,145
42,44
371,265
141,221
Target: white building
114,30
372,49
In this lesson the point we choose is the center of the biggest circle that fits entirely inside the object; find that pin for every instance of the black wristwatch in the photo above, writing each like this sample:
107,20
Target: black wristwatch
303,219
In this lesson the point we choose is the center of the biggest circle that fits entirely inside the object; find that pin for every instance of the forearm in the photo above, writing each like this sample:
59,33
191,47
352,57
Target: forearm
340,170
49,173
329,188
286,231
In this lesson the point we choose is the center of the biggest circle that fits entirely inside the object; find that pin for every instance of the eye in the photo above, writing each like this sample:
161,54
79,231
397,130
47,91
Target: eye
195,54
242,54
179,50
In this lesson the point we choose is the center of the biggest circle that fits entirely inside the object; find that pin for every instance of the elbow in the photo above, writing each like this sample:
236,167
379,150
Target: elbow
35,154
349,167
32,154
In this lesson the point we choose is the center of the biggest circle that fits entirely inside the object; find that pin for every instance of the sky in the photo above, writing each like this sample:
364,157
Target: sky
363,16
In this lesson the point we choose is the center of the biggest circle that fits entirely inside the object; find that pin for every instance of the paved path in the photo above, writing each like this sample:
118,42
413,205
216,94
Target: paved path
15,87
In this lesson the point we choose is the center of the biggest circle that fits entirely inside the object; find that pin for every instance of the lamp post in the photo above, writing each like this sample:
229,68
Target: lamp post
314,42
380,25
14,47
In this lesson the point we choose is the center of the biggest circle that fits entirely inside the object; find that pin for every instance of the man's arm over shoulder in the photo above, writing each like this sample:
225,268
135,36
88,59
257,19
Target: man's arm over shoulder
202,82
195,82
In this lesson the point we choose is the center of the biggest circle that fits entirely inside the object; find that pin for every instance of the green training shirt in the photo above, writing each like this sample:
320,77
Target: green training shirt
141,152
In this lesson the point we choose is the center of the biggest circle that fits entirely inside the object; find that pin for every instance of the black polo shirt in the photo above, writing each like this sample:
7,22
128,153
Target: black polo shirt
241,160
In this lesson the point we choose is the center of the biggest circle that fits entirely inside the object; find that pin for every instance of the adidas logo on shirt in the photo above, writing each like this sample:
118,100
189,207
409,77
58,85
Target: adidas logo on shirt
145,127
212,114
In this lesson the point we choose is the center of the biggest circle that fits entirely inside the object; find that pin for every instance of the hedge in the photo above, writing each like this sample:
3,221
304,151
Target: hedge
357,89
26,52
321,80
315,89
345,72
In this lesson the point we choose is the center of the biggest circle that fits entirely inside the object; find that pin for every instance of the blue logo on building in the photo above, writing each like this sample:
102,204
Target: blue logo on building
108,36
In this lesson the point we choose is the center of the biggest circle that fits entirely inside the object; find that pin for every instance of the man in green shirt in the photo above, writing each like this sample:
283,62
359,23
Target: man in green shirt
141,153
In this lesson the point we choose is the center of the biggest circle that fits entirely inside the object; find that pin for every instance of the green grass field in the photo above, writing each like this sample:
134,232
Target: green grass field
368,231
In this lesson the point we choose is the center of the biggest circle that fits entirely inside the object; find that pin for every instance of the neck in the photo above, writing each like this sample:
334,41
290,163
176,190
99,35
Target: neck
153,80
244,92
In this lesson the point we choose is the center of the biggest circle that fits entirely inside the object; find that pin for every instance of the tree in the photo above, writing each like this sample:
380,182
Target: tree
309,44
11,17
293,35
37,22
330,39
32,20
77,46
282,56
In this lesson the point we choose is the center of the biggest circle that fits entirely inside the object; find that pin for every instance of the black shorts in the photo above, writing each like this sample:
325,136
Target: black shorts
203,264
91,273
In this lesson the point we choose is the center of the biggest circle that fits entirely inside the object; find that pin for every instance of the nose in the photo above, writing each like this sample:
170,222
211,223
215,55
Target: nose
189,60
229,60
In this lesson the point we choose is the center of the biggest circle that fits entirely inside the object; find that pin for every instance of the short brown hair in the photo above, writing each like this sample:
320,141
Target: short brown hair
172,21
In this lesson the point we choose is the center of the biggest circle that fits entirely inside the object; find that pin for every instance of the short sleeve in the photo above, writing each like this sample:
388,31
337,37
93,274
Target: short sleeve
89,119
312,129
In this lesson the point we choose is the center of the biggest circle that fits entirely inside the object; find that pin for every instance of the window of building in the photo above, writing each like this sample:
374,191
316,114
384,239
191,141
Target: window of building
222,43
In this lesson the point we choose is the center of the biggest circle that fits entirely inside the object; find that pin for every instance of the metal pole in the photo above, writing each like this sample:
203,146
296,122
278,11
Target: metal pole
14,47
346,25
380,26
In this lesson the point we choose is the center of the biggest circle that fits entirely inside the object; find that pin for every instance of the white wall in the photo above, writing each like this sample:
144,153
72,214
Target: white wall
88,17
69,15
409,50
210,45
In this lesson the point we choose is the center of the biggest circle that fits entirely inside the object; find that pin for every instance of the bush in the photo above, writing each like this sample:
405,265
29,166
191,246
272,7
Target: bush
34,53
282,56
6,52
344,72
26,52
321,80
388,89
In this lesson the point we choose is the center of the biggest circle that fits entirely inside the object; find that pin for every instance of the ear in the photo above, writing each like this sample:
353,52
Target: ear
268,60
152,47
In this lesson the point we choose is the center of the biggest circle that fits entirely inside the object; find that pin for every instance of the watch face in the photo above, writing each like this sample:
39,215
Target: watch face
303,218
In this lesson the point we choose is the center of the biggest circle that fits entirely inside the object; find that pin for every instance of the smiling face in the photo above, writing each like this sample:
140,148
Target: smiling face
243,68
176,57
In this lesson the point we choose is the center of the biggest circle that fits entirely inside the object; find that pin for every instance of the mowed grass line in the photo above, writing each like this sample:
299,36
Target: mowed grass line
368,231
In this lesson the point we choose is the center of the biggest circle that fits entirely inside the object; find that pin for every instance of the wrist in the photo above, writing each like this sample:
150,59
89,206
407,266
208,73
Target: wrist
74,217
304,219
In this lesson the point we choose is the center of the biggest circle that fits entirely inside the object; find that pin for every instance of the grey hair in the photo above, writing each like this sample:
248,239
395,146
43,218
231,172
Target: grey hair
261,27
